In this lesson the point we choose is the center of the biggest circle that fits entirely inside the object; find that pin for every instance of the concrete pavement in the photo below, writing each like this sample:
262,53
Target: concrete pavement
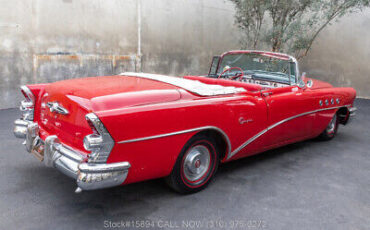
308,185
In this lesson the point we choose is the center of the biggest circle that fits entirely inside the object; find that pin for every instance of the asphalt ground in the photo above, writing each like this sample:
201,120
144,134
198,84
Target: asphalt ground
307,185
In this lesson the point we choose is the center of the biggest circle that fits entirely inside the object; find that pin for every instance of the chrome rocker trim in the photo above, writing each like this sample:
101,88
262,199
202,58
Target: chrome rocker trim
71,162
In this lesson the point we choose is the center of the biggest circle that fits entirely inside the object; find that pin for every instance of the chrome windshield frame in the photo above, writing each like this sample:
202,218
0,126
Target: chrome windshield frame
275,54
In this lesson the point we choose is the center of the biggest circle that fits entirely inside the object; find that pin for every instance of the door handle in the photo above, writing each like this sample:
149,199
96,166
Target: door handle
266,94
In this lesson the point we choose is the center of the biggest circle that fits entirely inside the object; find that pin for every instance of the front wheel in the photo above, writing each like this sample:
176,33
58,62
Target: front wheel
331,130
195,166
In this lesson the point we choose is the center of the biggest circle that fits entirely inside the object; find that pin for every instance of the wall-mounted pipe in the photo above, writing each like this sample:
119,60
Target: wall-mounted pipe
138,54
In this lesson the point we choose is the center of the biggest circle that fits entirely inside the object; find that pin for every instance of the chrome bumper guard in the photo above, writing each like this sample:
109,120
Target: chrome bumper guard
20,128
351,114
89,176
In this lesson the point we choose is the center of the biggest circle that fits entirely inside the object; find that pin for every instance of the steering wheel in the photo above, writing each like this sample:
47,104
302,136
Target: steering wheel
236,76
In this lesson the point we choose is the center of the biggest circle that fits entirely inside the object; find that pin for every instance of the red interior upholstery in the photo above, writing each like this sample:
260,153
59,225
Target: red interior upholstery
224,82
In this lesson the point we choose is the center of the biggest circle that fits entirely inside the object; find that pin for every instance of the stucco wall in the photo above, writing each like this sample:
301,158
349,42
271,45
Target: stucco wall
341,54
46,41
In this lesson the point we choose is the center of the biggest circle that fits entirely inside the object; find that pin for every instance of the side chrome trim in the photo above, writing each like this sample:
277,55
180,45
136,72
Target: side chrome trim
182,132
229,153
250,140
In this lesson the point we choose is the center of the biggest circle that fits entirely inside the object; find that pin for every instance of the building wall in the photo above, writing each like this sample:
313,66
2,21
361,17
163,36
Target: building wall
46,41
341,54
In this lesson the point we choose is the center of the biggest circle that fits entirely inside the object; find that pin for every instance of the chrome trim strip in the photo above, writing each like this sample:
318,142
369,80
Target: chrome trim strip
181,132
193,86
250,140
103,168
29,93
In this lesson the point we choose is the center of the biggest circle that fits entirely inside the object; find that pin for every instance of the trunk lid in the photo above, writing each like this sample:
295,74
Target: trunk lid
85,95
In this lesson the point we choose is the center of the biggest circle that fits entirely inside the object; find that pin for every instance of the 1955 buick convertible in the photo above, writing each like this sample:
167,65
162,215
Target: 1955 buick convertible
116,130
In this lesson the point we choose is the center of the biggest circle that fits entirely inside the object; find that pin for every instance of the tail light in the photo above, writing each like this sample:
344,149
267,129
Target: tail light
100,143
27,105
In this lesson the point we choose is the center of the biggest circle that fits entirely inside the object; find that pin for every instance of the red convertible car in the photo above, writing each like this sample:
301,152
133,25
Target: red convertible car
115,130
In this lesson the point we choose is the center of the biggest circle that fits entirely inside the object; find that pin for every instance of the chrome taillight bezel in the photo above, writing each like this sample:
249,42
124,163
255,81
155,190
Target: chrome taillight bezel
100,143
28,105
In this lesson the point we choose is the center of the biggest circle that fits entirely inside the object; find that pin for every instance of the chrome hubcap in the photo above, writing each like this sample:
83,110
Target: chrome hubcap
331,127
196,163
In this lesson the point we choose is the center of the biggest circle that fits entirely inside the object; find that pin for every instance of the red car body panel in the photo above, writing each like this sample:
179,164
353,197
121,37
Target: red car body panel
132,108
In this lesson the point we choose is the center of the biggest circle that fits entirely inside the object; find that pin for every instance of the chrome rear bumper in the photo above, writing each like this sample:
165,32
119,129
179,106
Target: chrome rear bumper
20,128
351,114
71,162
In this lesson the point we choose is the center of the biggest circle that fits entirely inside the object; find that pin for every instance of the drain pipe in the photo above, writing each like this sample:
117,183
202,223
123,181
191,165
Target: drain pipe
138,54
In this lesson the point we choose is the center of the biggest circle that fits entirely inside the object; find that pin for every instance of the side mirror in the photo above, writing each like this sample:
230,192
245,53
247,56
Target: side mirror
309,83
301,84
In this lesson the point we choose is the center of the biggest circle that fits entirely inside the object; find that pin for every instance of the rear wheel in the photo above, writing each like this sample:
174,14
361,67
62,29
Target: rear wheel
195,166
331,130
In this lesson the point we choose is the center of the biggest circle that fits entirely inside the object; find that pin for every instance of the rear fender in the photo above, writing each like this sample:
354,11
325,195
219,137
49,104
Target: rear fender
37,90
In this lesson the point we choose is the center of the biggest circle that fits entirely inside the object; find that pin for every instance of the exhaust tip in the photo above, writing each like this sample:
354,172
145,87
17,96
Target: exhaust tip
78,190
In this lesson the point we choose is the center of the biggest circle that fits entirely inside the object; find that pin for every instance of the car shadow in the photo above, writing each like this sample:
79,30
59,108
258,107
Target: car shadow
138,199
154,187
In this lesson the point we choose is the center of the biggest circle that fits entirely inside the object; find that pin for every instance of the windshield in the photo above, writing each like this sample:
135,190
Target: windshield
260,66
